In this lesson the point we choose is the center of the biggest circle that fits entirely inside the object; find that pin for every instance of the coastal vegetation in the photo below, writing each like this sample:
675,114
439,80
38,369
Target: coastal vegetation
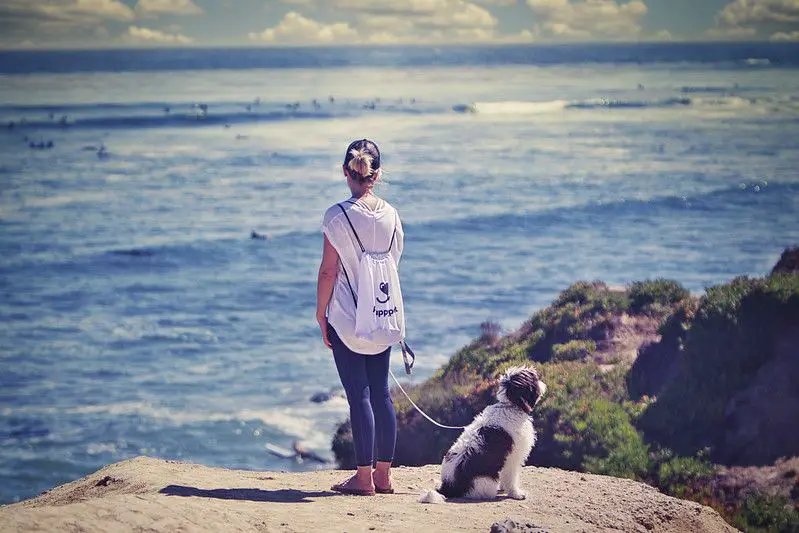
695,395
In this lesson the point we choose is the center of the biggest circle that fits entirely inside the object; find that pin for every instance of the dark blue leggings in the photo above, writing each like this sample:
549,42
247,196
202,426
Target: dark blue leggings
365,380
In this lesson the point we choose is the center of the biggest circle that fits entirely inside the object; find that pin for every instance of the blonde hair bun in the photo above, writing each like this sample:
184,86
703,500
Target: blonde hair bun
361,163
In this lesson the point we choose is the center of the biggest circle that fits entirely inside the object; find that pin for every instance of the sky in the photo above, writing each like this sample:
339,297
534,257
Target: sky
215,23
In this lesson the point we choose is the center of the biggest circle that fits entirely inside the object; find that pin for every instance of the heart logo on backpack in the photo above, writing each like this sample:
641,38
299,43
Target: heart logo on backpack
384,289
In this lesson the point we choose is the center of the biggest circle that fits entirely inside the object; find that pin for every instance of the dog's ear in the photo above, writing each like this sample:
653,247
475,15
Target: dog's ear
516,395
521,388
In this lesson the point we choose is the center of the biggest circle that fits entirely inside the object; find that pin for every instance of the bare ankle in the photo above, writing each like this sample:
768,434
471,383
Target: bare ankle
364,475
383,466
382,473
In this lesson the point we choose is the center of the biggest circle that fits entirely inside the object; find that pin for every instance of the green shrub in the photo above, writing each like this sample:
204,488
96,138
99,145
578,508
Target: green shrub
595,296
470,362
578,293
478,362
609,443
766,513
587,422
656,294
584,311
573,350
683,476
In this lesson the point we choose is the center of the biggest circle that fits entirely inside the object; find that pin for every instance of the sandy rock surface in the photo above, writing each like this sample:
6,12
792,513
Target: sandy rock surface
152,495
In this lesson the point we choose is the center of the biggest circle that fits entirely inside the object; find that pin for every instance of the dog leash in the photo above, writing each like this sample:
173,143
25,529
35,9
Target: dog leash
417,407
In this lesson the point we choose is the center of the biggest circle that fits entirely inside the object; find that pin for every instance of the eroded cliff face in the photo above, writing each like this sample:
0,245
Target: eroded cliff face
788,262
761,423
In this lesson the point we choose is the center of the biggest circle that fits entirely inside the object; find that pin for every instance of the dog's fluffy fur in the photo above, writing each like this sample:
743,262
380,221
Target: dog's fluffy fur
489,454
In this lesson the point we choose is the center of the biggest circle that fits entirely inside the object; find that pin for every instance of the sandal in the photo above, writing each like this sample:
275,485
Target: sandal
343,488
387,490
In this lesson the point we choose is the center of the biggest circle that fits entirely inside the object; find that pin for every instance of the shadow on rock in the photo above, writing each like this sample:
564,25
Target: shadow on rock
255,495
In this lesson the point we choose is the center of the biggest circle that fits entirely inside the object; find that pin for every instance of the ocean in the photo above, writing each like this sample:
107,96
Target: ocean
138,316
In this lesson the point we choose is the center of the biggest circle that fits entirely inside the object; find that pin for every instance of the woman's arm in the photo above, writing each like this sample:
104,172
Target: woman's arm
328,271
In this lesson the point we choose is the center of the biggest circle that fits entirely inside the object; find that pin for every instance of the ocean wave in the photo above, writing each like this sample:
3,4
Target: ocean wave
57,110
181,114
227,114
612,103
709,89
551,106
214,252
727,101
713,99
512,107
588,215
300,421
176,120
308,422
133,252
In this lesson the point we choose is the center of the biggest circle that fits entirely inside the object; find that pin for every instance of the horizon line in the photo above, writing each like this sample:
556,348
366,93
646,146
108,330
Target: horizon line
185,47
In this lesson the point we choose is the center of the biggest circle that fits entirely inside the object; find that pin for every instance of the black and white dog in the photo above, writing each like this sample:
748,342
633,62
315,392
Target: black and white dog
490,453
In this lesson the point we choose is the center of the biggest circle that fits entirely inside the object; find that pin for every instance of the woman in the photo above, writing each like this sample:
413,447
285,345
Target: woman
362,365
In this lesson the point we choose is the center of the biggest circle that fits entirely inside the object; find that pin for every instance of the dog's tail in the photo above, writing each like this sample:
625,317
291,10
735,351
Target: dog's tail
432,496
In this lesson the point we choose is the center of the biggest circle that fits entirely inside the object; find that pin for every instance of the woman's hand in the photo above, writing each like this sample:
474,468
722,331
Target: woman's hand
323,325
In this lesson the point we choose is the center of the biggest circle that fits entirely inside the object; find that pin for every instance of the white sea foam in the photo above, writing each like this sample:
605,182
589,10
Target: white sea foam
312,423
518,107
65,199
98,448
526,108
142,329
726,101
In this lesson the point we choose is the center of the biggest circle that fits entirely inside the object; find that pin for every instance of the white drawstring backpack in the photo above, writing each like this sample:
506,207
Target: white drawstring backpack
379,311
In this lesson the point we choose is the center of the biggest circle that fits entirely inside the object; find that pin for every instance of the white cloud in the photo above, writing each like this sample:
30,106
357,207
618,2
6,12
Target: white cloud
745,19
102,9
589,19
423,13
146,35
173,7
297,29
464,15
400,22
394,22
742,12
785,36
49,22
